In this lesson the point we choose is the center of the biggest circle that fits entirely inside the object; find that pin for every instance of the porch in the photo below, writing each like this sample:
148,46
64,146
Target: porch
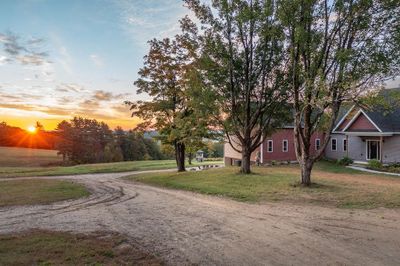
366,146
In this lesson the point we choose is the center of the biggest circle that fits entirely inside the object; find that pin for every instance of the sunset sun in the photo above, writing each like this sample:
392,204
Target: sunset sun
31,129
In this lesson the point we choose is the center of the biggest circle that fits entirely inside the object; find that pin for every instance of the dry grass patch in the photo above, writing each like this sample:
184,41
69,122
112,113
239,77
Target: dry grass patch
58,248
333,185
25,157
38,191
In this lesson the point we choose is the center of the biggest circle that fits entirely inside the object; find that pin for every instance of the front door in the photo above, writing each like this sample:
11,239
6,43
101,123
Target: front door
373,150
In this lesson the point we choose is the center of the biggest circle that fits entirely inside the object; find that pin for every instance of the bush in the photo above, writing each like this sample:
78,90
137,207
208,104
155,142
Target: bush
345,161
394,165
374,164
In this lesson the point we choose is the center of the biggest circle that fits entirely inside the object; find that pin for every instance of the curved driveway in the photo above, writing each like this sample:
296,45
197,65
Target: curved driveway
188,228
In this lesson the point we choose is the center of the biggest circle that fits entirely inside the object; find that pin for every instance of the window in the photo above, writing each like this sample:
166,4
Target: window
317,144
333,144
345,145
270,146
285,146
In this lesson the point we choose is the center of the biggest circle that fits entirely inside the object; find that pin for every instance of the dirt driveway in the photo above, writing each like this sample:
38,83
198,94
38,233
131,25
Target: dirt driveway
187,228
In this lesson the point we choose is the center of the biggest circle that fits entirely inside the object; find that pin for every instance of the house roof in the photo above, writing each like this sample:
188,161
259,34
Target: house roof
386,121
385,116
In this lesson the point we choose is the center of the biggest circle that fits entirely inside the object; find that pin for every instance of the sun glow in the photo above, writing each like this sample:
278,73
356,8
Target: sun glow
31,129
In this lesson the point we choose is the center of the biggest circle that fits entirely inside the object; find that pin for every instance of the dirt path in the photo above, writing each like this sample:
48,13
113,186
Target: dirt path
187,228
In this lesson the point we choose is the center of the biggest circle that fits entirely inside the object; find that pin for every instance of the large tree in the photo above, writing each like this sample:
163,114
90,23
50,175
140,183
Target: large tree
242,48
336,51
166,77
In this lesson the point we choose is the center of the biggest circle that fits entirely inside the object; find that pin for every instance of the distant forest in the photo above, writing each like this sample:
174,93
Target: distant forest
82,140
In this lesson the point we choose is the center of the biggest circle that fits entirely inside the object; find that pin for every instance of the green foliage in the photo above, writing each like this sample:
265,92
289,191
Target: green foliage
113,152
134,146
83,140
345,161
242,70
168,76
374,164
89,141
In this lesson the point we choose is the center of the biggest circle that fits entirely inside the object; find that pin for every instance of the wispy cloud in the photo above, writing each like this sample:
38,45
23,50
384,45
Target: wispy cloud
26,52
70,87
101,95
145,20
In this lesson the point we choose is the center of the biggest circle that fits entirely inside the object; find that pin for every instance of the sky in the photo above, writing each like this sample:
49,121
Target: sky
60,59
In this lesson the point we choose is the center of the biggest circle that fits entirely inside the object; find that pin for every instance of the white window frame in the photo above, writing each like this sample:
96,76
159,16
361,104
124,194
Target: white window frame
270,143
319,144
335,144
283,145
345,147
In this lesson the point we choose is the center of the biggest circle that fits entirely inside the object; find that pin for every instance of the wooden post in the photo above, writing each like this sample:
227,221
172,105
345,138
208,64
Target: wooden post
380,148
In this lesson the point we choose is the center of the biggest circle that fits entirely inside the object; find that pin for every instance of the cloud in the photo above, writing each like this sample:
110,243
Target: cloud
97,61
89,104
69,87
4,60
20,97
121,109
137,21
103,95
34,59
26,52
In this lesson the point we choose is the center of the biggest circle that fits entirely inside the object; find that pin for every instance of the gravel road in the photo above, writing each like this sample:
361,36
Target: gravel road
187,228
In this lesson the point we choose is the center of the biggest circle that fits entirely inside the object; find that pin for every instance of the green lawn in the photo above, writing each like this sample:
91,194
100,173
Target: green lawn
24,192
57,248
333,185
19,162
91,168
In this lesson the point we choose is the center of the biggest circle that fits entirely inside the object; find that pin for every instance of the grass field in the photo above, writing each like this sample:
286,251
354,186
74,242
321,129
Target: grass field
58,248
24,157
27,192
334,185
19,162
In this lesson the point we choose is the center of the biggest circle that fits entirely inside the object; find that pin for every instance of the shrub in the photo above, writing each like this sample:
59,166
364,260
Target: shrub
374,164
345,161
394,165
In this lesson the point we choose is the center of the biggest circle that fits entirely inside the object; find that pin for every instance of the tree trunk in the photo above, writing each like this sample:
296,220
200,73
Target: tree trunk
306,168
190,157
180,156
245,167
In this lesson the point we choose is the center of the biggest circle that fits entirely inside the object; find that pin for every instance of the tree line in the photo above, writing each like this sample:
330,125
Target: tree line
84,140
248,67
